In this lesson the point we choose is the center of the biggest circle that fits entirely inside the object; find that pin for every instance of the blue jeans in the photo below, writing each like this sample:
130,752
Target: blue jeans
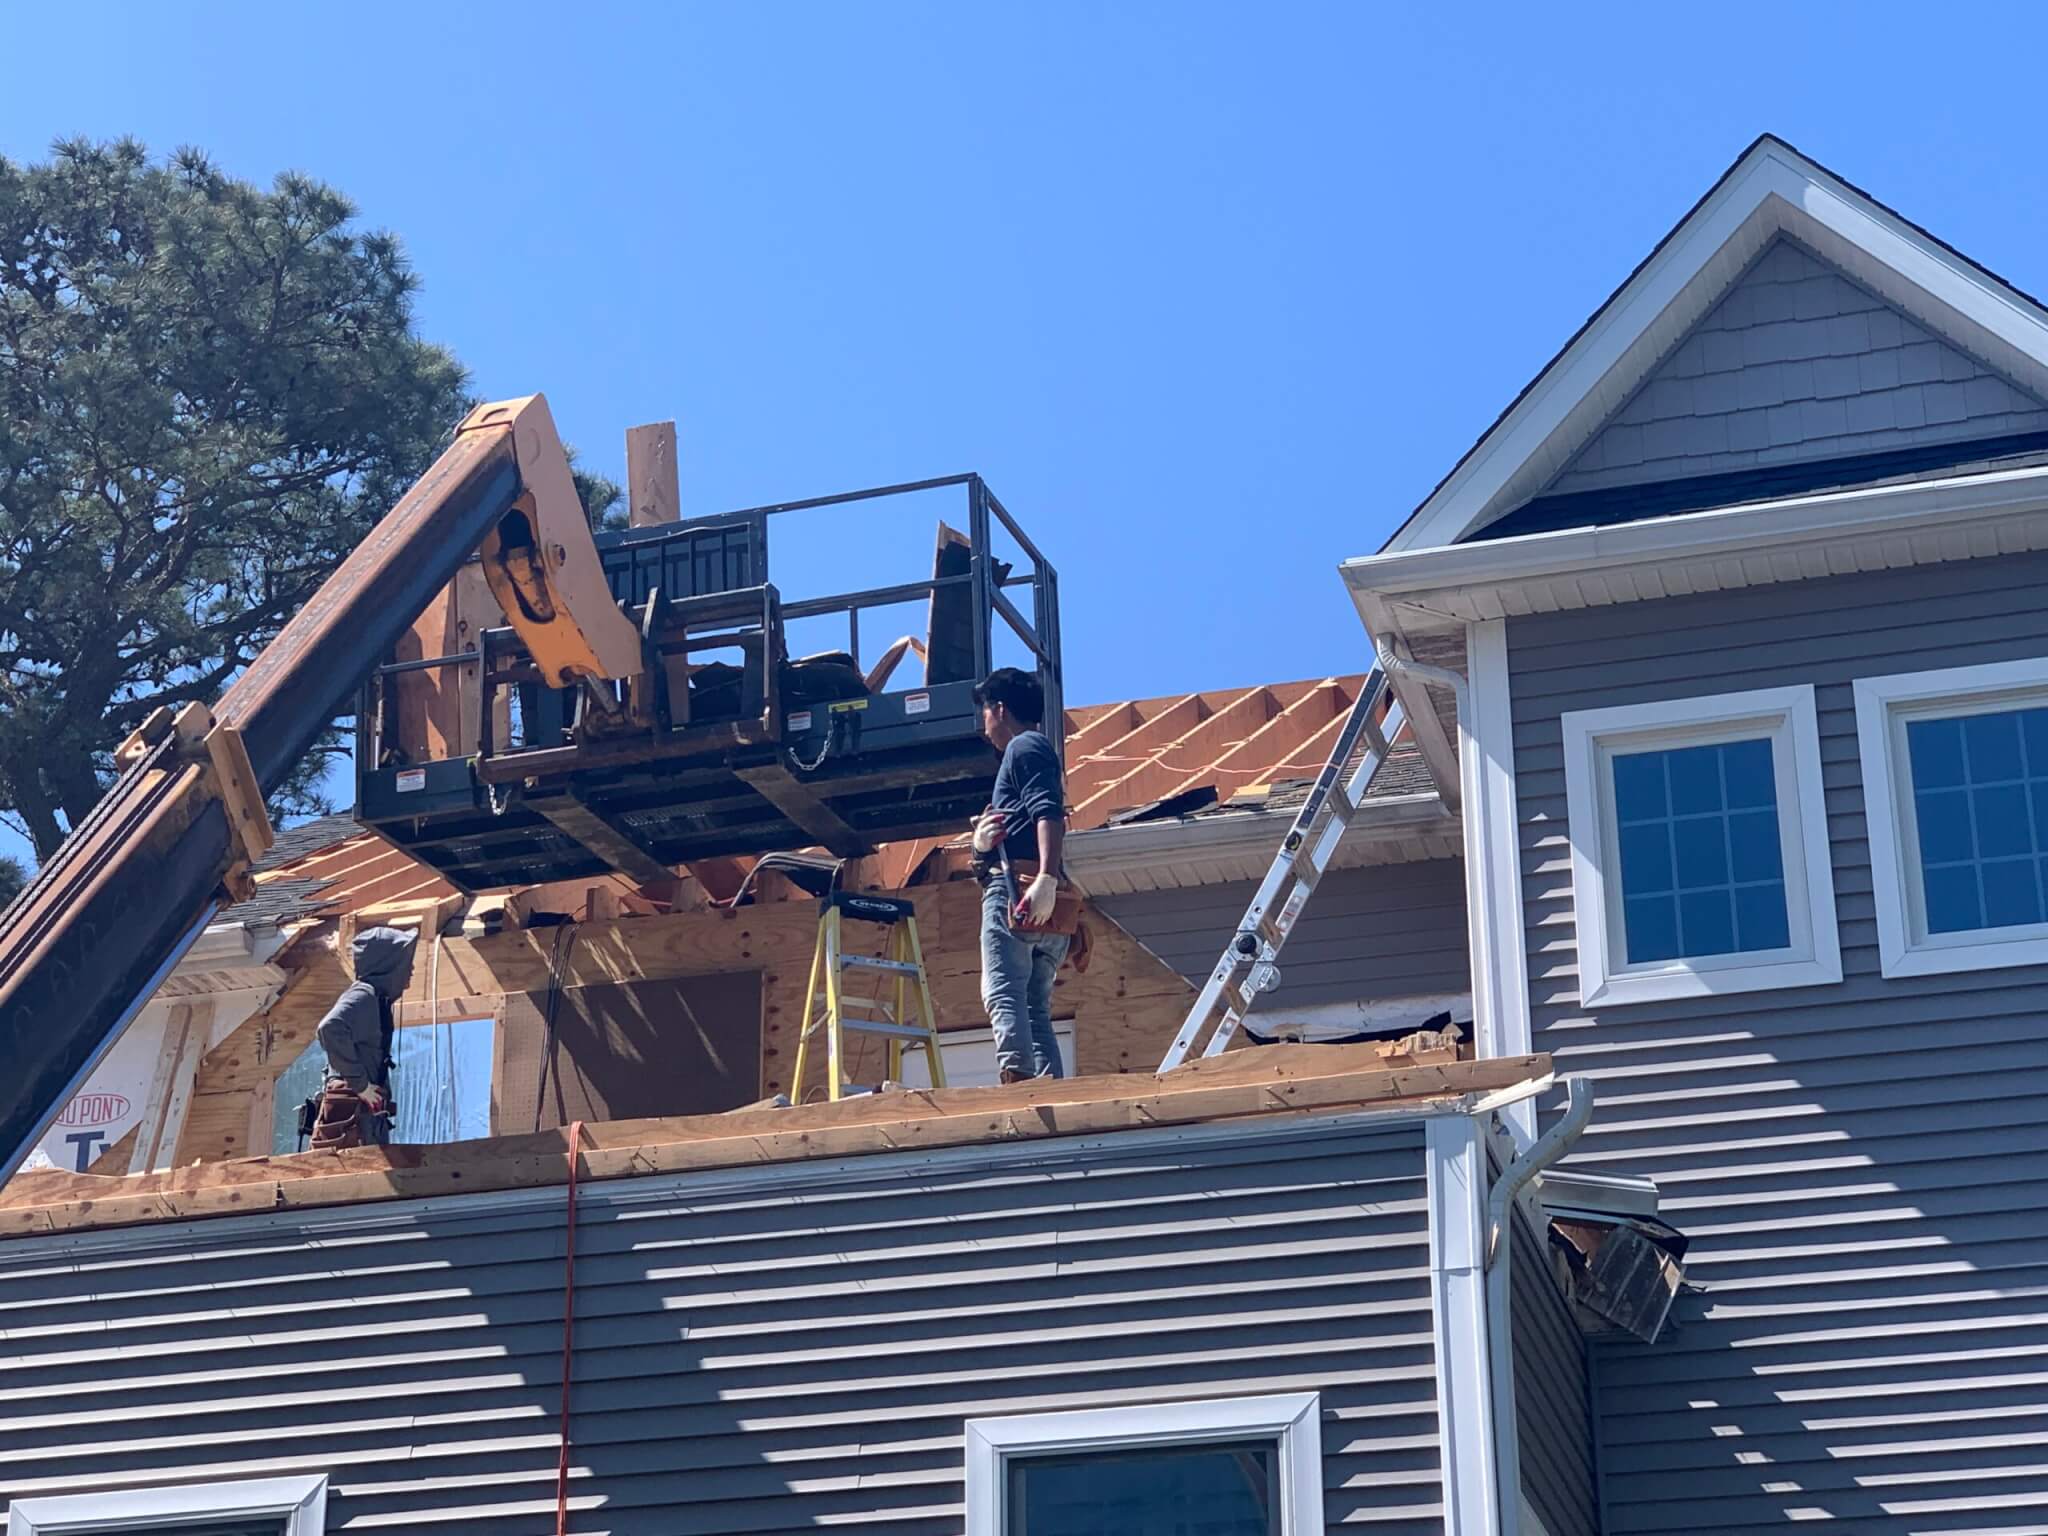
1017,969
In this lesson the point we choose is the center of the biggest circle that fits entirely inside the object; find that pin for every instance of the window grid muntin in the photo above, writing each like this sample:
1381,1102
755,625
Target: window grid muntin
1726,812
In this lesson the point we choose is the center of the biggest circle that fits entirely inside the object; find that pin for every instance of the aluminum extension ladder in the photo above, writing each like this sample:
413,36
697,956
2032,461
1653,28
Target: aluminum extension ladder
838,1012
1249,963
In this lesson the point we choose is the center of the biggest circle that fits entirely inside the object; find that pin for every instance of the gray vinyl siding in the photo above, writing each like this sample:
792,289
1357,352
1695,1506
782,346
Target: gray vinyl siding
1797,363
753,1355
1553,1414
1392,930
1863,1167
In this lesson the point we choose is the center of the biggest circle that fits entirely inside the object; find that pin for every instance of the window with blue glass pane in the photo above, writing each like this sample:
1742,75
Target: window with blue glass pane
1194,1490
1980,808
1702,862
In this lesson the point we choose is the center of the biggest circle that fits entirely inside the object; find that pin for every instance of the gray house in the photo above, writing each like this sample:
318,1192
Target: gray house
1727,800
1748,589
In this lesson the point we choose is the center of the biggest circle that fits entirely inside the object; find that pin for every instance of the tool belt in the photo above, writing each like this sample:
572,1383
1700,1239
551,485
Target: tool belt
340,1119
1066,907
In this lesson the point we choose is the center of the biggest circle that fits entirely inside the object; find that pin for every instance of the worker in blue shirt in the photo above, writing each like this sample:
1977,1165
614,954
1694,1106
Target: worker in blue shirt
1025,927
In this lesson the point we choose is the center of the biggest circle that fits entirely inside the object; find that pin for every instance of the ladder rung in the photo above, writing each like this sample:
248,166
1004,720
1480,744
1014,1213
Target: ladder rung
871,1006
877,1027
870,963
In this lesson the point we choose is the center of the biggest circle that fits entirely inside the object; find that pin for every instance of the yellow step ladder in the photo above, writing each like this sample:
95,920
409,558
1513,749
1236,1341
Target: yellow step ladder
838,1012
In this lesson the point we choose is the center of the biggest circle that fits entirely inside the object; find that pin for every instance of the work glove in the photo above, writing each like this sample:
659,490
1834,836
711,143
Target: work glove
373,1099
1034,907
988,831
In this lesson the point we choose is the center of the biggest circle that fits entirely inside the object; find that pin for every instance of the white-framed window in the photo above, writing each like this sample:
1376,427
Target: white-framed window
271,1506
1699,846
1955,793
1238,1466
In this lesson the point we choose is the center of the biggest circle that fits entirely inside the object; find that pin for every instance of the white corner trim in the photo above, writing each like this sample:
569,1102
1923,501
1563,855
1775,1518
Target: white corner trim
301,1502
1295,1418
1456,1163
1814,957
1496,937
1882,703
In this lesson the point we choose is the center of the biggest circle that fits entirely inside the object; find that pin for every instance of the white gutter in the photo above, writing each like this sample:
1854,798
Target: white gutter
1754,528
1540,1154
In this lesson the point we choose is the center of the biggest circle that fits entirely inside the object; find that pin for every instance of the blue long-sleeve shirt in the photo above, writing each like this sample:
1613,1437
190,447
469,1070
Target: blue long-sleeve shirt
1029,789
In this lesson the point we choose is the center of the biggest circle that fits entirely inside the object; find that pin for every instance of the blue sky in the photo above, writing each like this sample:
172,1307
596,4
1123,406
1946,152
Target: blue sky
1212,294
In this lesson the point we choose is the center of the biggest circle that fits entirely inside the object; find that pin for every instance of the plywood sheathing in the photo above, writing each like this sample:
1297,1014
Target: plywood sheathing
1125,1008
1274,1081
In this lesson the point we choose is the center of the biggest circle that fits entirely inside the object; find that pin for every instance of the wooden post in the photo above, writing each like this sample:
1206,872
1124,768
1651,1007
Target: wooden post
653,490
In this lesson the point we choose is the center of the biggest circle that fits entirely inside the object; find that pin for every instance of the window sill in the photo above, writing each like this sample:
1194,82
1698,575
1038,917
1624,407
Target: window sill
1719,981
1950,959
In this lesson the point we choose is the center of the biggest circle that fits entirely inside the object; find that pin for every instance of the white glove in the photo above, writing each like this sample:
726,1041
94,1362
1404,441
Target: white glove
988,831
1034,907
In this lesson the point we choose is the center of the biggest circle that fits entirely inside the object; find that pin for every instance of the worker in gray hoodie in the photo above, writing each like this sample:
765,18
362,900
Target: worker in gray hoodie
356,1106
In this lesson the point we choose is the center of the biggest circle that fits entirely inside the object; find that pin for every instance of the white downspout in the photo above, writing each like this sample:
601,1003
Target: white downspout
1394,657
1545,1150
1500,1209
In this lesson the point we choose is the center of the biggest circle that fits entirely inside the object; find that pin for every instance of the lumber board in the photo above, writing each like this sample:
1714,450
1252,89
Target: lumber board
1293,1080
654,492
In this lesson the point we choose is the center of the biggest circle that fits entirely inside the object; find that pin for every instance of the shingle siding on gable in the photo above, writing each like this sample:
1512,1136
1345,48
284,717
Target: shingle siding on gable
1796,363
1862,1168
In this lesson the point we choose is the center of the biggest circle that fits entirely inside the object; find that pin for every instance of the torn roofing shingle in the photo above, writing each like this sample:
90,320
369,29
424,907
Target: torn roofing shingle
277,902
1403,773
307,838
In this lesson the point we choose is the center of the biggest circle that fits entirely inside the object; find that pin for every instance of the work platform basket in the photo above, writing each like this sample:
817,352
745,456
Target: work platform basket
468,762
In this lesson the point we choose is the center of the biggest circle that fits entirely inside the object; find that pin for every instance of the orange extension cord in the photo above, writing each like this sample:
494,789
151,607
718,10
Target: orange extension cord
568,1337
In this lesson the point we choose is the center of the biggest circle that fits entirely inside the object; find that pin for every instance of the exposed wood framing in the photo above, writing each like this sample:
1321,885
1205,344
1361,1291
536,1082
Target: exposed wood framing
438,710
1278,1080
171,1085
1125,1007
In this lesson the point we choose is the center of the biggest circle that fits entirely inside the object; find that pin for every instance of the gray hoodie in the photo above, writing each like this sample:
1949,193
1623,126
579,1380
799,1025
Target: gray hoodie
355,1032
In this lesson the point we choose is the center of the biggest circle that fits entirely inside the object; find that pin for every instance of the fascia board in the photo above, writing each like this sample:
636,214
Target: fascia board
1755,528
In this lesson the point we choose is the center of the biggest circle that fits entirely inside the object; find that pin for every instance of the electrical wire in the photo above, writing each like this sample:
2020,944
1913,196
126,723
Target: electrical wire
558,966
568,1334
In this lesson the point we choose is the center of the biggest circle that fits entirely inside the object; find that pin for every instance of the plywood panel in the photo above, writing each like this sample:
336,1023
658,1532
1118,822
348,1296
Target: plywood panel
687,1046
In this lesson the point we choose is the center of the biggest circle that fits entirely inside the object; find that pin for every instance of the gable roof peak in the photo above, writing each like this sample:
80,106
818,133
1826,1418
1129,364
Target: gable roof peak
1772,190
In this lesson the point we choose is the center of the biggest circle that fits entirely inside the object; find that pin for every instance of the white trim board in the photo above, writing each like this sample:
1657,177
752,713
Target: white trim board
1497,936
1455,1157
1293,1418
299,1502
1904,947
1814,956
1771,190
